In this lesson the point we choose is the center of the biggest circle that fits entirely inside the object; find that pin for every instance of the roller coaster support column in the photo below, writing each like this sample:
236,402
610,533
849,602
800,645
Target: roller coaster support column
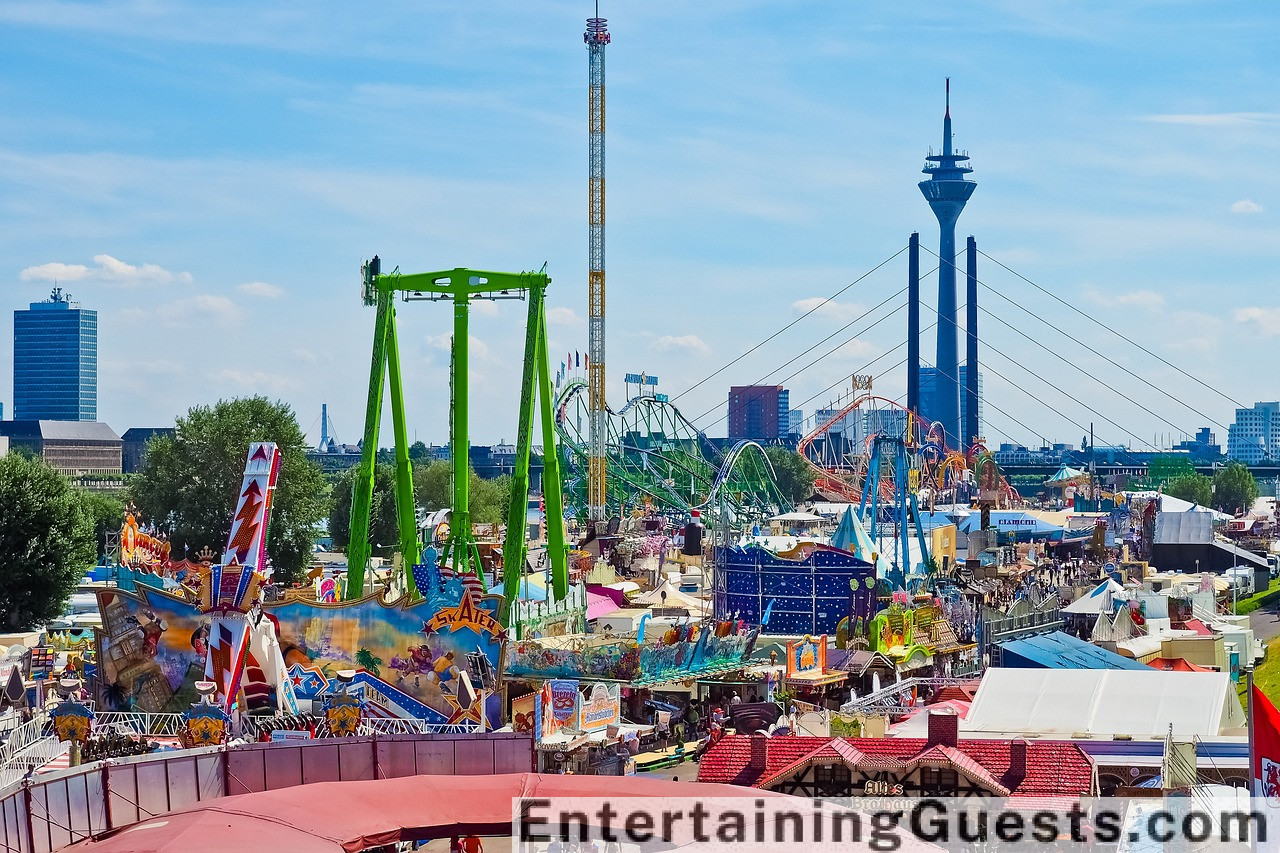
537,379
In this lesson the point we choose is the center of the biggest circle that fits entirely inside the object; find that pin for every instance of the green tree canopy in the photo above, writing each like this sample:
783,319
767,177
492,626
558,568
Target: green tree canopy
1234,488
106,513
383,523
1193,487
190,480
46,542
488,500
795,476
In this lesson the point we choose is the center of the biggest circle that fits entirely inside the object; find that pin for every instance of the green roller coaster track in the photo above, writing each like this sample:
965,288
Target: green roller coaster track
655,453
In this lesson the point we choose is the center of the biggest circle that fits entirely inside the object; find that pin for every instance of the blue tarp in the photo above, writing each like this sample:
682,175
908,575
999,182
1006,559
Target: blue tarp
1059,650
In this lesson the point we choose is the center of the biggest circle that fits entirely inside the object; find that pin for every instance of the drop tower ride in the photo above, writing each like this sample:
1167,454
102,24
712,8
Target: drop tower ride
596,38
947,190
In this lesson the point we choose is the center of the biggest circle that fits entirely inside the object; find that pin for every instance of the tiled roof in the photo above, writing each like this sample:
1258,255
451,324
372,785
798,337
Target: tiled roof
956,693
1054,768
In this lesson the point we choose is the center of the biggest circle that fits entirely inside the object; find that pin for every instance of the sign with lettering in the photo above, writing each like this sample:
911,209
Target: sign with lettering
640,379
601,708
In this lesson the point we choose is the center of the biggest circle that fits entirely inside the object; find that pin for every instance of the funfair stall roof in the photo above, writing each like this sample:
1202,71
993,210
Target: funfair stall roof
1061,651
1010,521
330,817
1140,703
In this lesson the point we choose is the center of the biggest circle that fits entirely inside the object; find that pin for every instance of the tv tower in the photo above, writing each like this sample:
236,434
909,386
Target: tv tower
947,190
596,37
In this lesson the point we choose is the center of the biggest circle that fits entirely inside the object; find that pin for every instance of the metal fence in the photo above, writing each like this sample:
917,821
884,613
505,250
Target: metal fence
898,698
48,811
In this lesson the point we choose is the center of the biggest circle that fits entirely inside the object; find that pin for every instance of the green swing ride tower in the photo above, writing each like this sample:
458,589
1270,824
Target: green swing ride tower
460,287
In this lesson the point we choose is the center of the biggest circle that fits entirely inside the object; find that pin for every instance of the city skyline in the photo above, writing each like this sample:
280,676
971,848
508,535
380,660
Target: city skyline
302,158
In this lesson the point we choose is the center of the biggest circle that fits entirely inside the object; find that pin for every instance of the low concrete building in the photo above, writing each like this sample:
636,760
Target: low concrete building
72,448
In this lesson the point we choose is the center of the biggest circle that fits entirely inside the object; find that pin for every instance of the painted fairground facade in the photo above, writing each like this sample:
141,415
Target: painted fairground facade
434,660
682,651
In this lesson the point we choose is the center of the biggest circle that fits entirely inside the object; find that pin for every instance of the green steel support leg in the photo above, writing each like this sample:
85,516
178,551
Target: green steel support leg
405,513
460,440
362,489
513,551
556,553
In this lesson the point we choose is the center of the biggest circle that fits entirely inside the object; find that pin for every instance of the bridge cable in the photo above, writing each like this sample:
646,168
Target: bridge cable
839,292
1120,335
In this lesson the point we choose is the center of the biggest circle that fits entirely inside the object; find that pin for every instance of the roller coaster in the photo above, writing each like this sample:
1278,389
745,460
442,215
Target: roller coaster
841,452
657,457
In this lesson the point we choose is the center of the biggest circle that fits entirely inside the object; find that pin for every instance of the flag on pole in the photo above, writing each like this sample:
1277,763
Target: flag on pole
1264,732
577,358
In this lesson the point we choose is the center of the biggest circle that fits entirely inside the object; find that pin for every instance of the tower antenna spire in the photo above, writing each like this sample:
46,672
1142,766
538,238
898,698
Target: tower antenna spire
948,97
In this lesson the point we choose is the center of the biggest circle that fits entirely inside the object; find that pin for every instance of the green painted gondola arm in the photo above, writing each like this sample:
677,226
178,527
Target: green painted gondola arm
406,513
513,552
362,488
557,554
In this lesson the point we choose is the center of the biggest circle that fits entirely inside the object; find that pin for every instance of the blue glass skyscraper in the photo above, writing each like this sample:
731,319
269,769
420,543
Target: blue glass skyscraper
55,361
947,190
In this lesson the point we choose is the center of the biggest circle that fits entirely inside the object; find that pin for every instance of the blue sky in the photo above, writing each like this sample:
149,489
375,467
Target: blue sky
210,175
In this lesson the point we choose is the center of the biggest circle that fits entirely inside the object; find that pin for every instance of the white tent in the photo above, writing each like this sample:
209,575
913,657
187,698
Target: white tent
668,594
1105,702
1097,600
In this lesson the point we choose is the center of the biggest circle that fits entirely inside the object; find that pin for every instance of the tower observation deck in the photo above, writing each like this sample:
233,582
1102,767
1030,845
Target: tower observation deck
947,190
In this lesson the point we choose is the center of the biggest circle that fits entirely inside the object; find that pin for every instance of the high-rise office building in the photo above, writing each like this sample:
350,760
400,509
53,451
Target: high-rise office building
1255,434
55,361
759,412
795,421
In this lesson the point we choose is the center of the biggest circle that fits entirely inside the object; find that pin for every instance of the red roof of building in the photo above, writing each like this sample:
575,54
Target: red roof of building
1195,625
956,693
1054,768
1177,665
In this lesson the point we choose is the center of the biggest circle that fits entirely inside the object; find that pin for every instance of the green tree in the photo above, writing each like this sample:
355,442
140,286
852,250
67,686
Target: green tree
795,476
1234,488
384,527
1193,487
46,542
418,451
106,512
190,480
487,499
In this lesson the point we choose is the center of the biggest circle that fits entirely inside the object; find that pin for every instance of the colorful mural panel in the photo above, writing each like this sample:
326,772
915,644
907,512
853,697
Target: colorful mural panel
434,655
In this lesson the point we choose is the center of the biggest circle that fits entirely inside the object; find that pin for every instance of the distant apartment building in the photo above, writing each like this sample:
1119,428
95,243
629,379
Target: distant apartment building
795,422
1255,435
73,448
758,412
55,361
134,449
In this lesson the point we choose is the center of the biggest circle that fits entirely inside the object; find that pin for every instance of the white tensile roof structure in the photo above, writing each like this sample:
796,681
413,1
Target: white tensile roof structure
1103,703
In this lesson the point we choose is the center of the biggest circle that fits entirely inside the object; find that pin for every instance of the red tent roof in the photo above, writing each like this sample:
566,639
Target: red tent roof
1176,665
1054,768
350,816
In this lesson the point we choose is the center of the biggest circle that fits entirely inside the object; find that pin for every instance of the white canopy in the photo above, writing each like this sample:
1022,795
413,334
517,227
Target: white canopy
1097,600
1106,702
668,594
807,517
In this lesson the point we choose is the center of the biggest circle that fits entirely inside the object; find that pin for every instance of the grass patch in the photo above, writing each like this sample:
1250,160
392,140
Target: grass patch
1266,676
1257,601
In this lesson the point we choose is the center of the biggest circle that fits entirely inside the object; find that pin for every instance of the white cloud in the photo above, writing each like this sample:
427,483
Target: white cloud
561,316
1266,320
183,313
260,288
1246,205
108,269
444,343
1215,119
822,307
688,343
253,380
1147,299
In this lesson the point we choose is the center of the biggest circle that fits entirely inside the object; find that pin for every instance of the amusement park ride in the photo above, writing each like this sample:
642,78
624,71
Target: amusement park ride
461,287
